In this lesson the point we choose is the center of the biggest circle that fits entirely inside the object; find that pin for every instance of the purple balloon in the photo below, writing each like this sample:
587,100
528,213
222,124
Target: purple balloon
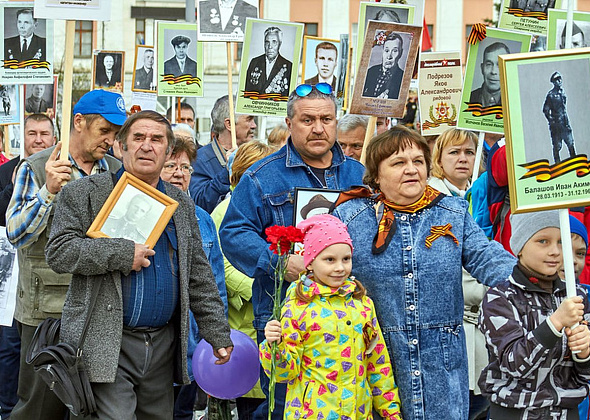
232,379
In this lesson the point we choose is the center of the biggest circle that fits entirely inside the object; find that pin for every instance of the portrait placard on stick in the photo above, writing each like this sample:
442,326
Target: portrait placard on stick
386,65
264,89
225,23
135,211
556,29
180,59
545,95
144,72
10,111
439,94
525,16
481,101
41,98
27,45
382,12
73,9
344,63
320,61
107,70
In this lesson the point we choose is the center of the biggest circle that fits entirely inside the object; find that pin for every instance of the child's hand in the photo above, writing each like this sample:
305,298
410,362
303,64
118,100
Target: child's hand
569,313
579,340
272,331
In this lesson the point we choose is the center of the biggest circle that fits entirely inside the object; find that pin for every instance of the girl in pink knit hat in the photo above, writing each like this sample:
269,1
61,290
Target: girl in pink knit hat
331,350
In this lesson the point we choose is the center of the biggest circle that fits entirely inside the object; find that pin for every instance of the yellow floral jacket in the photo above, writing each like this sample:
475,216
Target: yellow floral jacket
333,356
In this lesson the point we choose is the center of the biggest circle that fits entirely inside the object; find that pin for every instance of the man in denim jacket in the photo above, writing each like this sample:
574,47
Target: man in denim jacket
265,195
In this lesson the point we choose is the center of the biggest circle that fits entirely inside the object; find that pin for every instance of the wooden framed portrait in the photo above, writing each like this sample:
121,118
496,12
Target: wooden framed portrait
385,71
108,70
262,90
144,69
180,59
481,100
228,24
135,211
556,29
41,98
525,15
320,61
545,95
381,12
10,111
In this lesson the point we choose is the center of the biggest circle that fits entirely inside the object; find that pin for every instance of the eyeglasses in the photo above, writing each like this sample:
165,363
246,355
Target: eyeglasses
304,90
172,167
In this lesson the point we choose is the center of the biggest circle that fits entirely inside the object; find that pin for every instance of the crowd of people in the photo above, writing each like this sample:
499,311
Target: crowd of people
405,302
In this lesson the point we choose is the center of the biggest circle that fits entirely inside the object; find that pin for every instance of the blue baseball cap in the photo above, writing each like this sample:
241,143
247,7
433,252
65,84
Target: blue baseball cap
109,105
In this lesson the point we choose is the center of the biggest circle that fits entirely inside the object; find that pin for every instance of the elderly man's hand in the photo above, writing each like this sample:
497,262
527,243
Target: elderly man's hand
294,267
57,171
223,355
140,259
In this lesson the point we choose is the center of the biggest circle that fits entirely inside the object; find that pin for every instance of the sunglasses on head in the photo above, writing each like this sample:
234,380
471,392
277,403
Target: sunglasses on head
304,90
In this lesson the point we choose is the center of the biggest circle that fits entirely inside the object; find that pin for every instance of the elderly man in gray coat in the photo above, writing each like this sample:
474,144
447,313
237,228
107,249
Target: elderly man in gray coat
136,343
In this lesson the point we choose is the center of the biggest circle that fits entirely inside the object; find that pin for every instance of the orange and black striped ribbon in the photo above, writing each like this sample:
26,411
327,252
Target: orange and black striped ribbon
438,232
477,34
542,171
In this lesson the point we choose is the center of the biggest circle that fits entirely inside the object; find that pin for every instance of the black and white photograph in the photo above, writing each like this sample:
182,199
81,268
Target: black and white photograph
312,201
40,98
532,5
553,105
8,279
134,216
14,140
385,69
556,30
108,70
26,49
386,65
270,62
9,113
320,61
180,53
225,20
344,66
486,77
24,36
144,73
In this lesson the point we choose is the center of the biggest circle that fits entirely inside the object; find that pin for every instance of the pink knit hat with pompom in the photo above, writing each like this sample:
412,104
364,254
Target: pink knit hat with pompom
320,232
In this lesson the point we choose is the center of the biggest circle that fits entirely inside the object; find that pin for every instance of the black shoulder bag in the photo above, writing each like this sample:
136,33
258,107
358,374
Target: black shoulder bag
61,366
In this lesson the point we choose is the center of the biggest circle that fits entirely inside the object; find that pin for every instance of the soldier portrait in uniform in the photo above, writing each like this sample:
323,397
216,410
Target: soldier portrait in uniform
144,76
133,217
488,94
320,61
270,72
181,63
24,36
225,20
39,98
555,111
384,78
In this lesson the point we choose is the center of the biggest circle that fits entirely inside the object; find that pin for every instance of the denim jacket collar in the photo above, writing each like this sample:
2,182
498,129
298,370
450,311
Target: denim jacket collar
294,158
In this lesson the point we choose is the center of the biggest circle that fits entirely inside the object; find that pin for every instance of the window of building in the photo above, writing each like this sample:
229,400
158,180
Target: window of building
140,31
83,39
310,29
430,31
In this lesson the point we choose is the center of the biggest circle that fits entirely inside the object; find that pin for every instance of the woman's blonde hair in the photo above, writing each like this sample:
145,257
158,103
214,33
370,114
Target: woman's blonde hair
358,293
451,137
278,136
248,154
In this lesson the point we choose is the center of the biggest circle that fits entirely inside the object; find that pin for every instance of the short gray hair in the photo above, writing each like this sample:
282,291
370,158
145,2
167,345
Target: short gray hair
314,94
351,122
145,115
274,30
219,113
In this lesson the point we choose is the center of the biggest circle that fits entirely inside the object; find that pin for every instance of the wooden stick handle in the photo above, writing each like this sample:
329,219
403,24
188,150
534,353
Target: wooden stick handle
232,116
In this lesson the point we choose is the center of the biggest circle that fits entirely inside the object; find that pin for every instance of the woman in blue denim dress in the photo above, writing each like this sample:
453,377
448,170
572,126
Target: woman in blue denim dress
411,243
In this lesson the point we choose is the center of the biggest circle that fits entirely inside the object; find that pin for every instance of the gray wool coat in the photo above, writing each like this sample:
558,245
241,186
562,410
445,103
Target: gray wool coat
89,260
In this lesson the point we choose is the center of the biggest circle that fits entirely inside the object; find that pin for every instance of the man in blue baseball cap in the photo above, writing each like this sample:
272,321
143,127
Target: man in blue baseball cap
97,118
